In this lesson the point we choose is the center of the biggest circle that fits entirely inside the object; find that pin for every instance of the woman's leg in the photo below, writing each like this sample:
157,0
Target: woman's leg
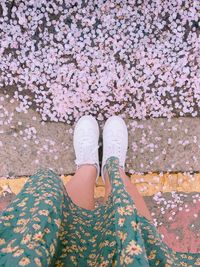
133,192
81,186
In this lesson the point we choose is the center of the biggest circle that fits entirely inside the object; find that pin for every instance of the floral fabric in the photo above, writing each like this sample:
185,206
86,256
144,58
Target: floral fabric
43,227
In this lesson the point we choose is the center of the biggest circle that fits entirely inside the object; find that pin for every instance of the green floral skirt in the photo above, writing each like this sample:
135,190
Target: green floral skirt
43,227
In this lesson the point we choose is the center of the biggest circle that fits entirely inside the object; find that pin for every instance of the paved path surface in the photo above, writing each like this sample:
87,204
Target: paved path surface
154,145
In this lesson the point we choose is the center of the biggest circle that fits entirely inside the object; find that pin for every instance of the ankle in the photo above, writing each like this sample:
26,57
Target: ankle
88,169
123,176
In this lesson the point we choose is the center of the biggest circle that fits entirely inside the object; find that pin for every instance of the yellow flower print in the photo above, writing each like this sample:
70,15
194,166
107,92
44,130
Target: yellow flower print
122,257
26,239
152,255
117,182
49,202
129,208
22,204
38,262
5,218
36,226
33,210
18,253
183,256
65,213
52,249
197,262
11,242
183,264
38,252
112,244
57,222
22,221
78,234
38,236
23,229
17,229
134,225
30,245
54,209
43,212
2,241
151,241
15,248
118,200
73,258
74,247
104,264
151,236
90,263
121,210
46,230
110,255
106,243
109,232
128,260
36,219
92,256
93,239
170,261
121,221
133,248
7,224
59,264
10,209
122,235
22,214
24,261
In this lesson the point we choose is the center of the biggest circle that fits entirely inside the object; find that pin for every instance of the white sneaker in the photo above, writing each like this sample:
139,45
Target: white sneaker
115,141
85,141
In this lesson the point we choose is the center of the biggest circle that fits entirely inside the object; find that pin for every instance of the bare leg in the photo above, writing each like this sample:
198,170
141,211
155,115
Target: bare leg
133,192
81,186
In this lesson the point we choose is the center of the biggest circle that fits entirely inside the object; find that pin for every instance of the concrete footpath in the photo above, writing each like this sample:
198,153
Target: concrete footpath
27,144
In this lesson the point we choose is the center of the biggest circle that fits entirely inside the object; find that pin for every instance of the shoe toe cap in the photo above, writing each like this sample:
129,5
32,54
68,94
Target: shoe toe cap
87,122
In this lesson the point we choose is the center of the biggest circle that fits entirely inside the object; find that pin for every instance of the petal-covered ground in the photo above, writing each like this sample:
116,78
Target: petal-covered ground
69,58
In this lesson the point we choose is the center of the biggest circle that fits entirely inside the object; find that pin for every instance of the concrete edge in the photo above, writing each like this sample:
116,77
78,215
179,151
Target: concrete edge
147,184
